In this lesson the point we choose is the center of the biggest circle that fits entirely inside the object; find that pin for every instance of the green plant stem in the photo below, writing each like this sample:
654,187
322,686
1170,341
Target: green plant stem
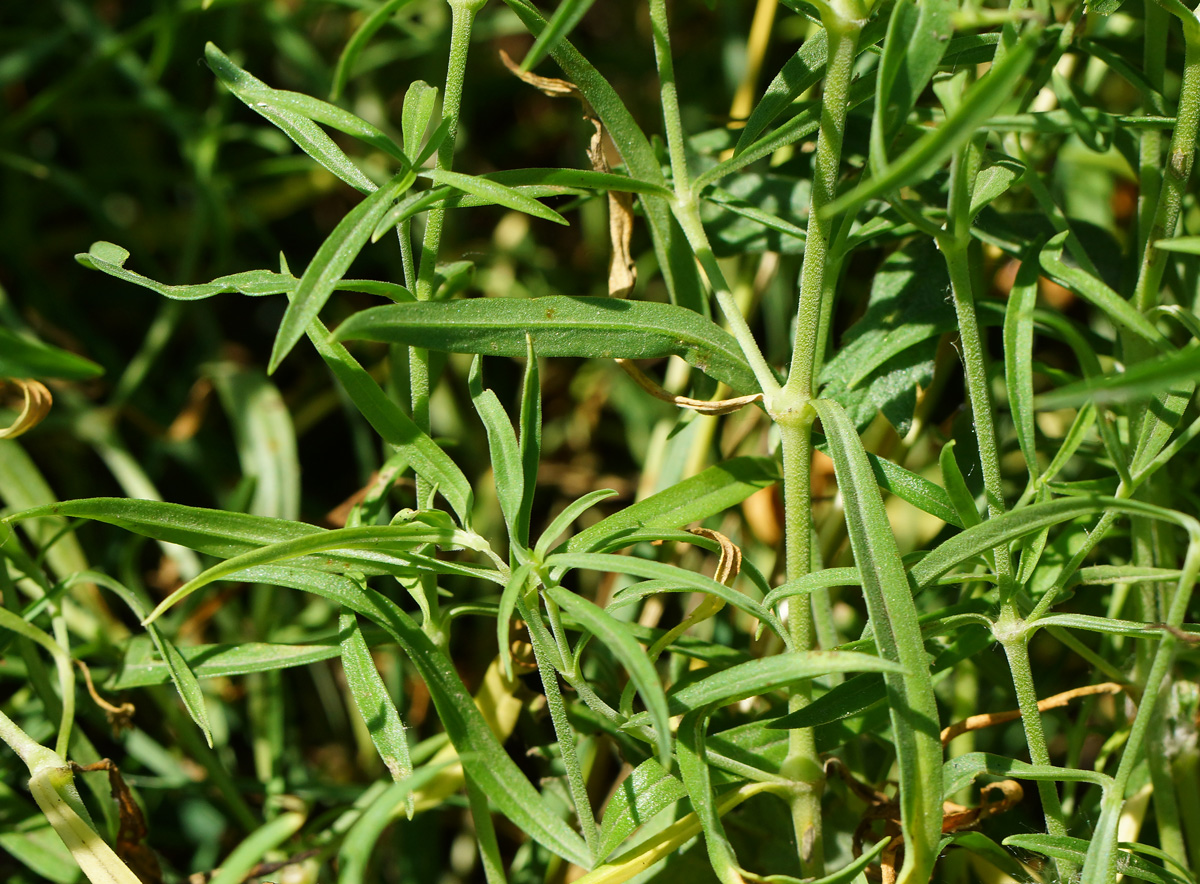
792,413
462,15
802,765
1179,163
1017,650
843,34
1101,862
670,100
548,669
688,216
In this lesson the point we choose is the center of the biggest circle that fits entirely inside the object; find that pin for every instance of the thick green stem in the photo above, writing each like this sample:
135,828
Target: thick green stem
670,99
1179,165
802,766
843,37
1017,649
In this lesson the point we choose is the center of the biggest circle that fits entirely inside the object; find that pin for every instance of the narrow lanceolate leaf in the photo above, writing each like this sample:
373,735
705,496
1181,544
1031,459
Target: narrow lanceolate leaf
174,665
25,358
709,492
565,17
697,777
260,97
1096,292
420,101
1018,361
507,467
631,654
389,540
918,33
559,326
428,460
800,72
493,192
1142,381
110,258
266,438
484,759
893,615
638,798
1008,527
354,46
331,262
262,841
531,440
371,697
982,100
674,579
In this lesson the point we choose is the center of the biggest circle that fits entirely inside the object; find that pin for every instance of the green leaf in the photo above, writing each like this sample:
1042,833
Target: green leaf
110,259
1145,380
697,778
1018,361
897,633
492,192
236,867
842,701
569,514
330,264
559,326
709,492
1075,850
1188,245
1095,291
420,101
258,96
531,440
371,697
675,579
482,756
627,650
757,677
917,36
391,541
507,465
961,771
980,102
139,669
566,16
306,134
956,487
22,357
358,41
998,174
397,428
574,180
890,351
266,438
638,798
517,584
798,74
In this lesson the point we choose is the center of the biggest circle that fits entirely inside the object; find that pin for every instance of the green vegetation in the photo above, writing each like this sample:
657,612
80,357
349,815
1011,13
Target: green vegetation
722,444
